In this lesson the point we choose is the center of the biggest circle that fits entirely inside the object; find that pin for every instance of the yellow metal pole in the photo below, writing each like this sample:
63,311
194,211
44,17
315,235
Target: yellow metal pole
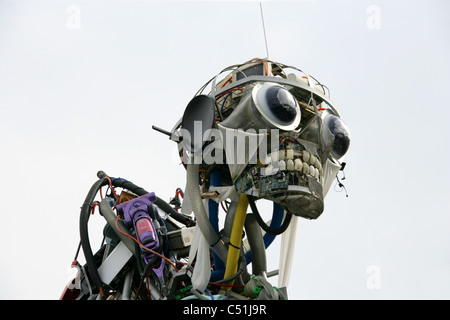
236,238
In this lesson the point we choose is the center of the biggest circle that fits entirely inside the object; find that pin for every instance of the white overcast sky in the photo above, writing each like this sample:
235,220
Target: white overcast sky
82,82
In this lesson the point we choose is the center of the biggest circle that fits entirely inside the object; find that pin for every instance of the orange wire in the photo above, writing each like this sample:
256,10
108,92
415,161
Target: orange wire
102,293
145,248
93,207
112,188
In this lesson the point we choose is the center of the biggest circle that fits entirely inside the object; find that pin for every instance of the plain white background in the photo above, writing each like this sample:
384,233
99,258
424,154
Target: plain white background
82,82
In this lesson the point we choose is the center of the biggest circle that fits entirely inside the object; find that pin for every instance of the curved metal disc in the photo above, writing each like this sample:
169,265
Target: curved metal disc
198,117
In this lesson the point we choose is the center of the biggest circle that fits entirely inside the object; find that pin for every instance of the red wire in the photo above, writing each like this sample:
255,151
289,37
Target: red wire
227,81
290,140
95,205
179,193
223,207
112,188
234,89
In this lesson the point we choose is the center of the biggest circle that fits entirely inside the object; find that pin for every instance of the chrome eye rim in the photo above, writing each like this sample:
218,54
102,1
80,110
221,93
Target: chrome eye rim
290,105
342,136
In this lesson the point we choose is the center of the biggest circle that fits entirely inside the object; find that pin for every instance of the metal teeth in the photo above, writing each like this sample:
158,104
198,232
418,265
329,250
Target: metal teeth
298,165
290,154
316,173
282,165
306,156
319,167
291,160
312,160
268,170
290,165
305,168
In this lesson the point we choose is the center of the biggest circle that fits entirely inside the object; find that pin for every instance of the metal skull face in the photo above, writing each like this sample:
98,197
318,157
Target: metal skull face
271,131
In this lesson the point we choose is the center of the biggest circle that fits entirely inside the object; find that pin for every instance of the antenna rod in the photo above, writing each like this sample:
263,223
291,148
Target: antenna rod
264,28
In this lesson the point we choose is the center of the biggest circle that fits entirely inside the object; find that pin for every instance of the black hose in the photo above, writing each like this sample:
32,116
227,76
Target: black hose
125,184
167,208
107,212
263,225
242,266
256,242
85,212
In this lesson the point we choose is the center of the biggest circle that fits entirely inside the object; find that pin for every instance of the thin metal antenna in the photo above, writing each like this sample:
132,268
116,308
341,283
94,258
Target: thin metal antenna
264,28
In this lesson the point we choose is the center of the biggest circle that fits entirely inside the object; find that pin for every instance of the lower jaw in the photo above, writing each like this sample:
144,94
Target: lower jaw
298,193
303,199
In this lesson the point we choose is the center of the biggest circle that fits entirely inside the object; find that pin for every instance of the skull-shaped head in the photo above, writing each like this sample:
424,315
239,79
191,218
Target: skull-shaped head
272,132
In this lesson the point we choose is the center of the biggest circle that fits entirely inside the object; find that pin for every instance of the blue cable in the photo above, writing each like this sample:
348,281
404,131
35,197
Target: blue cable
112,182
210,294
213,207
223,102
167,238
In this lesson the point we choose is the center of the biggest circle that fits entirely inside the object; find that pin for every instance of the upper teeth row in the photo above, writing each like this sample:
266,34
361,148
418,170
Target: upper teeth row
290,160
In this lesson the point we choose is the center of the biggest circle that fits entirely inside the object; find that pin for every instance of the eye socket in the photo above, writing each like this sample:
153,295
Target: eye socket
279,106
341,135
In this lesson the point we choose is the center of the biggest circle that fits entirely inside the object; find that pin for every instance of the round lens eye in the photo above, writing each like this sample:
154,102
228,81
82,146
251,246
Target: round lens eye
341,135
278,104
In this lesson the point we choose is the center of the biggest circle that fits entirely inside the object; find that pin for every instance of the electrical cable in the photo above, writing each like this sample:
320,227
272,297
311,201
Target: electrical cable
77,253
110,217
210,294
85,212
160,203
223,207
109,186
112,188
95,204
261,222
198,294
168,242
242,266
227,94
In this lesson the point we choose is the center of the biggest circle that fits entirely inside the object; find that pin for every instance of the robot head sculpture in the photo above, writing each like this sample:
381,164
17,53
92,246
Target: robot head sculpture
264,131
271,131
